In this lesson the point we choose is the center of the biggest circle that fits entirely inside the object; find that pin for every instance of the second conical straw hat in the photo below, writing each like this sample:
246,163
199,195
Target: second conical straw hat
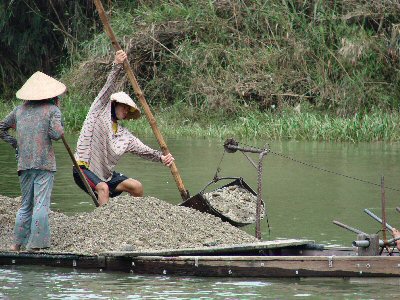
122,97
39,87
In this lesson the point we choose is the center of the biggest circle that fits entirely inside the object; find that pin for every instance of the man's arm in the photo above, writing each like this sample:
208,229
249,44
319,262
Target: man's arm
5,125
103,97
137,147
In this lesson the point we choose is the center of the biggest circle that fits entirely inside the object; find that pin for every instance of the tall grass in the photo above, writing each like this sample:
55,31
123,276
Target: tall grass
181,120
289,125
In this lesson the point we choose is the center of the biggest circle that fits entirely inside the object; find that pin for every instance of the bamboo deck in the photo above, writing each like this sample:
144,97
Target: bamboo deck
284,258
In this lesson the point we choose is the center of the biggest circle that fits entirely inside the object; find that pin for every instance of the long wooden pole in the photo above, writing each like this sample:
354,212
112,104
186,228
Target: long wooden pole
139,94
83,178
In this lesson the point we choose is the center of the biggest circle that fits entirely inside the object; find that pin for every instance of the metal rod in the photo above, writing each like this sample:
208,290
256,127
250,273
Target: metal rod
83,178
365,243
249,159
376,218
245,149
362,244
139,94
383,204
259,195
348,227
392,241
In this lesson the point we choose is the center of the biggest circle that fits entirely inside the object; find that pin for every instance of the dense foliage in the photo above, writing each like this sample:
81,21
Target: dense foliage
340,56
38,35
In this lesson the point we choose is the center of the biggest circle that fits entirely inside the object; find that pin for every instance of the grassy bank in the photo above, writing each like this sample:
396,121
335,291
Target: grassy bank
241,68
181,120
288,125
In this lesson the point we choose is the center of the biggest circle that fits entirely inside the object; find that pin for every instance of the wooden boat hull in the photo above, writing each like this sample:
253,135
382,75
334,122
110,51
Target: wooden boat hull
290,258
271,266
220,266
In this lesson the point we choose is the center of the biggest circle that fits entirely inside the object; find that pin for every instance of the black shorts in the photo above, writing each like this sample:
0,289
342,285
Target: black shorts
93,180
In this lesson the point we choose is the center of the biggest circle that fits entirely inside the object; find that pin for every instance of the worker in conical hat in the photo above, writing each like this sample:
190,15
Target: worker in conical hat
37,121
103,141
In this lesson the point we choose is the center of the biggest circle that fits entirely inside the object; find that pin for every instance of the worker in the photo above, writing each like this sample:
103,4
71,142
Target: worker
37,122
103,141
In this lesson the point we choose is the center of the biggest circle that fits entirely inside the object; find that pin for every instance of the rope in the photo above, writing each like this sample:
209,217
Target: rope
332,172
218,167
328,171
259,189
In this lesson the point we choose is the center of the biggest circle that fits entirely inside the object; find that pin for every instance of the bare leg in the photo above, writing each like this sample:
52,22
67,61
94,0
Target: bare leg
132,186
103,193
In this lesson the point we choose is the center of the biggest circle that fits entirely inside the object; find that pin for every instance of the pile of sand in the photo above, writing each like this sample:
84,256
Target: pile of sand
128,223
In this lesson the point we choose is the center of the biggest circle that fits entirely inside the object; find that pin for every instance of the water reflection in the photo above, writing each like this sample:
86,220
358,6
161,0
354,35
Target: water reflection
52,283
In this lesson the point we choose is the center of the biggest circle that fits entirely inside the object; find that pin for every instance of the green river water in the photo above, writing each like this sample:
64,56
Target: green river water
305,188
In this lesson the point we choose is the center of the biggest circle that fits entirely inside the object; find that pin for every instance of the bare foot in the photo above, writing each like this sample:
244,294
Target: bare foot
15,247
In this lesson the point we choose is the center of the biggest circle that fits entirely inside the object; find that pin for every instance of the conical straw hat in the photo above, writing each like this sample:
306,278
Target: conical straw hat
41,86
122,97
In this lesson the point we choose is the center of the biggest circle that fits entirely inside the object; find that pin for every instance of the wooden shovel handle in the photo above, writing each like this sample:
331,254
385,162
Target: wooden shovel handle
83,178
139,94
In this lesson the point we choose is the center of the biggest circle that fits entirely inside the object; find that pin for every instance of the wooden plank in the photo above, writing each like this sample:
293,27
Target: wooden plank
240,248
224,266
320,252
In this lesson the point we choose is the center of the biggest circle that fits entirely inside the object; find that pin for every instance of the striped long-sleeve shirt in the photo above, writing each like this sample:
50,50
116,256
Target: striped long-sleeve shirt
98,146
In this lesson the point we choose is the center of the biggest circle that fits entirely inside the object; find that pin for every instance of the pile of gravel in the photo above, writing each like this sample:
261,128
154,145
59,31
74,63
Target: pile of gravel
128,223
8,209
236,203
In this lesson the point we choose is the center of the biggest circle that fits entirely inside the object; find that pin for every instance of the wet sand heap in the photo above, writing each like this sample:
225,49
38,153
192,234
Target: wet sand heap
236,203
127,223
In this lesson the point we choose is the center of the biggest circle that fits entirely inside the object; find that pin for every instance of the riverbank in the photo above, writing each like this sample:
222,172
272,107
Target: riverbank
307,71
301,124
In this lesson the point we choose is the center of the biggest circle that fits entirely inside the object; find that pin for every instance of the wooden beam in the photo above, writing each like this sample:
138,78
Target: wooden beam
266,245
222,266
268,266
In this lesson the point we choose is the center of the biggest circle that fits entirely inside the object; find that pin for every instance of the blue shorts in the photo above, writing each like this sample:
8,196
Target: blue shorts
93,180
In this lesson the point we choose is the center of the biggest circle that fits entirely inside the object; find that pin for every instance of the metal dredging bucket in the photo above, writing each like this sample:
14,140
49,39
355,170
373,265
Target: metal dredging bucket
232,202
